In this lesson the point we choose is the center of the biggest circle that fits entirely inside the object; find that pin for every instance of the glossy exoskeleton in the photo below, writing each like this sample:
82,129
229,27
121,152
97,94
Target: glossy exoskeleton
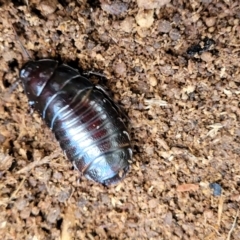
85,121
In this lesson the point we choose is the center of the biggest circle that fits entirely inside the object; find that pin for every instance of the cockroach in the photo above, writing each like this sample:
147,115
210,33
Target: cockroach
86,122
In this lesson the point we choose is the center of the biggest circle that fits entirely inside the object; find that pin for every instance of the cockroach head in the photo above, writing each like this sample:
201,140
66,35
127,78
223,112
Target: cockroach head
35,75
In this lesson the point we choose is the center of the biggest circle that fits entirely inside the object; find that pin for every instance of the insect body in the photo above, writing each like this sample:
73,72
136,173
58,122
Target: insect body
85,121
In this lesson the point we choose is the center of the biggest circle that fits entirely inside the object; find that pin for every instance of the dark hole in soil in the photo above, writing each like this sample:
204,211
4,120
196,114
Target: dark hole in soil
13,64
59,32
17,3
13,166
6,83
136,149
59,223
29,155
45,230
93,3
37,12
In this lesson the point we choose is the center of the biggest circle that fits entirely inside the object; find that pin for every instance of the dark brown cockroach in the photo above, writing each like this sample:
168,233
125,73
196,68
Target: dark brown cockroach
87,123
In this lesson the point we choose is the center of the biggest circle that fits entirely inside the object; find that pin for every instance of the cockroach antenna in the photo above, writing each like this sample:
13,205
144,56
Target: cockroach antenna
26,55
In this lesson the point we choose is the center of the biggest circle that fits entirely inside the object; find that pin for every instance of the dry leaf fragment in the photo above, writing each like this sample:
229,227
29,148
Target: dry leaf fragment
187,187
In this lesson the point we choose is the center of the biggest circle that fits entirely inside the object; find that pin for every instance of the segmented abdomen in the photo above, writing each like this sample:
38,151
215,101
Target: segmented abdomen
87,125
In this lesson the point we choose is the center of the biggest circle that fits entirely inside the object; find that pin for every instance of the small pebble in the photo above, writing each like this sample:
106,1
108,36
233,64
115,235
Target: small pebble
152,4
53,214
32,181
25,213
47,7
217,190
168,219
57,175
206,56
2,138
210,21
115,8
174,34
164,26
153,81
176,18
64,195
6,161
21,203
167,70
127,24
120,68
35,211
145,18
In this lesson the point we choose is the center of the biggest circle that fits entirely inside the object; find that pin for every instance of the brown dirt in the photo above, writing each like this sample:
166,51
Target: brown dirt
183,108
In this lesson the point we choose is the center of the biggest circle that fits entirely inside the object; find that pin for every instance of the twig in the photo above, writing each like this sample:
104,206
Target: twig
220,210
34,164
68,223
17,190
5,202
233,225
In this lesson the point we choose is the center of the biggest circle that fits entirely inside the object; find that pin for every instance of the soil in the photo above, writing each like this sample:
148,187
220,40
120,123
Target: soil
173,66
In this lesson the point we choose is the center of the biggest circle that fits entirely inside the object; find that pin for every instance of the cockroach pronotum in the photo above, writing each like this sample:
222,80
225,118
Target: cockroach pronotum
87,123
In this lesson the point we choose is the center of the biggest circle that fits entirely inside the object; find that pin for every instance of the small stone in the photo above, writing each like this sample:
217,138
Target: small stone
57,175
5,161
64,195
217,190
145,18
116,8
235,197
151,4
206,56
153,203
35,211
53,214
164,26
2,138
25,213
32,181
208,214
21,203
211,29
168,219
176,18
47,7
153,81
175,34
167,70
210,21
127,24
120,68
